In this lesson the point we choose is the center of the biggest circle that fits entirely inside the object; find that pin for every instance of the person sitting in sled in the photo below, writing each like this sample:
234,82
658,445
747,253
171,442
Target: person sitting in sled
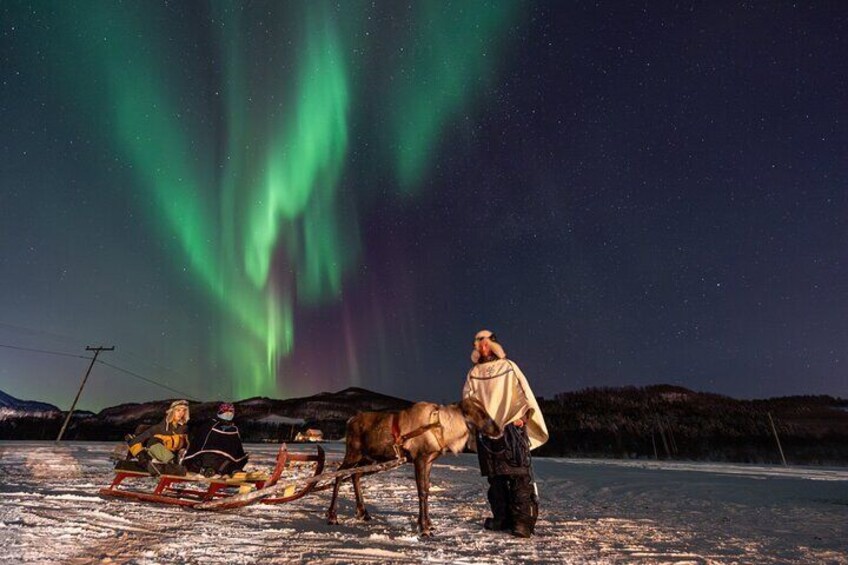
214,446
156,447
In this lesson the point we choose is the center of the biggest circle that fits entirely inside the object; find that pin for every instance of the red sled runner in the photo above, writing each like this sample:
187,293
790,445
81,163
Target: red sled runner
193,490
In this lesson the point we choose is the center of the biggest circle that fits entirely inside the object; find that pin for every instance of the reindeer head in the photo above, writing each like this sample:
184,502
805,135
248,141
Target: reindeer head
477,418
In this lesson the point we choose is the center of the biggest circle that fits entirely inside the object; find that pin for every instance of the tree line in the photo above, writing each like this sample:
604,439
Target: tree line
655,422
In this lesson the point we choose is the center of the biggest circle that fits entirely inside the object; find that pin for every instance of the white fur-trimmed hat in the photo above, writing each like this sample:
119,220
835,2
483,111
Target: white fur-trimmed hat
495,347
174,405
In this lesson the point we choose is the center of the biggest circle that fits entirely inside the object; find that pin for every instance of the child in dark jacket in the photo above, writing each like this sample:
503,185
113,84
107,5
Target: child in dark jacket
215,446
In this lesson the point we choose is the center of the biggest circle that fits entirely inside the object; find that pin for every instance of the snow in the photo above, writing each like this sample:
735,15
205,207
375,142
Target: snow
16,412
253,402
277,419
592,511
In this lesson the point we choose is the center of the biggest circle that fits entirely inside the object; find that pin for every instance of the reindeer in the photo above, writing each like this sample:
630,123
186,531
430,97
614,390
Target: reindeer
430,430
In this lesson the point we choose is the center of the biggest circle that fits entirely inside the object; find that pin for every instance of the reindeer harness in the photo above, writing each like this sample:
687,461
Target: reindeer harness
435,426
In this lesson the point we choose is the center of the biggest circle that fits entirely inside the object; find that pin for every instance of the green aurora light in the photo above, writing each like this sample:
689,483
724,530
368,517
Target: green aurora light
260,224
454,53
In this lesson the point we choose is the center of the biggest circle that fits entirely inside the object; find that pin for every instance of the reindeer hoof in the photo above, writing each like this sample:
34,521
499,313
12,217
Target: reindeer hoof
333,520
365,516
426,533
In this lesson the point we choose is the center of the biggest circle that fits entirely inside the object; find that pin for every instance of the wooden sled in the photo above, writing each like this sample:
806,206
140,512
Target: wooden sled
267,494
188,490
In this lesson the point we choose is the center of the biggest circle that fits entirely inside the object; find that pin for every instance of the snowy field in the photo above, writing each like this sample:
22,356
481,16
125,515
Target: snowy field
592,511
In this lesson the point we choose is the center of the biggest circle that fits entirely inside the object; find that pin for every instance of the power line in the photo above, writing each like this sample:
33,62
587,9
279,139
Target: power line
45,351
127,355
127,371
51,335
148,380
137,360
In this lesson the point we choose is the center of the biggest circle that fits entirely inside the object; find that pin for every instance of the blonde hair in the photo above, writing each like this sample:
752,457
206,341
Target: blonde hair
169,415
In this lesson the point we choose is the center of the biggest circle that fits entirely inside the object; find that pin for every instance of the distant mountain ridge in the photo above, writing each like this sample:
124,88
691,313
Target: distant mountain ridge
321,406
659,421
259,418
11,405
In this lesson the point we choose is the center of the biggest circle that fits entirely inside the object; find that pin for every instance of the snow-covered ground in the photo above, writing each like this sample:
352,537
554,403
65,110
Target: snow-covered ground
591,511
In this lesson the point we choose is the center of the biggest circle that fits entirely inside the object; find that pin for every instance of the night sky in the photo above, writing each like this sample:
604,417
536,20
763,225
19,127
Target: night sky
283,198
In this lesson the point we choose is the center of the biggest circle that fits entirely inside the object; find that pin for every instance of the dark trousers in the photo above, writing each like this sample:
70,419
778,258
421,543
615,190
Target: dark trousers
507,465
212,463
513,501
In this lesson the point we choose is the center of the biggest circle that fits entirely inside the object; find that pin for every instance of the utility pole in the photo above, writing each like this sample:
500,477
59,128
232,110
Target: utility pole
671,435
771,421
662,436
97,351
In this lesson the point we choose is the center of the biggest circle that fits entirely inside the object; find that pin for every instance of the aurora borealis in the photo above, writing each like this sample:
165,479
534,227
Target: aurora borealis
279,198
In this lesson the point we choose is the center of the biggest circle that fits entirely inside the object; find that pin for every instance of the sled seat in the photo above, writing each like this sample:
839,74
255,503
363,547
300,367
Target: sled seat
169,491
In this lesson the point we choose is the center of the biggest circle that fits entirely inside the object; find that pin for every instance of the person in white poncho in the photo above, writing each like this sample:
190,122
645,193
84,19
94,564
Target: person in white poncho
502,388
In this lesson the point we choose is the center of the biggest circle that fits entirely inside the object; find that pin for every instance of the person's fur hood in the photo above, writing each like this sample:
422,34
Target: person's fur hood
495,347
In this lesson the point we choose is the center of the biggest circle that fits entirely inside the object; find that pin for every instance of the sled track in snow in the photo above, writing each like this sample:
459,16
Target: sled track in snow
592,512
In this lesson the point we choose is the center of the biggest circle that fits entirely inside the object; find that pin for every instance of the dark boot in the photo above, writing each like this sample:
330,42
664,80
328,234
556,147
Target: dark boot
499,496
130,465
494,525
226,468
144,459
523,505
521,530
155,468
174,469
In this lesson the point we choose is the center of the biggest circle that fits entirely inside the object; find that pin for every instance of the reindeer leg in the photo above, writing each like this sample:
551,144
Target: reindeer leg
332,517
361,512
422,481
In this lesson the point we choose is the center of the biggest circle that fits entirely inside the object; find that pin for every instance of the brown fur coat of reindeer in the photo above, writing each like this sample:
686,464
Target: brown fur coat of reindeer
421,433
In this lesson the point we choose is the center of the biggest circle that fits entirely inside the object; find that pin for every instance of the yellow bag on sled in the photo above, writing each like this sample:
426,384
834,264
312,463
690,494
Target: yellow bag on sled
172,443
